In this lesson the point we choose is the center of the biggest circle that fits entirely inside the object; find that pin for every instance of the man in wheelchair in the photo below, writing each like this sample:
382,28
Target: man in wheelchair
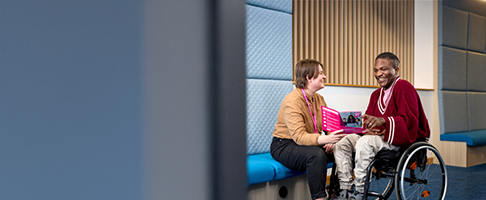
394,119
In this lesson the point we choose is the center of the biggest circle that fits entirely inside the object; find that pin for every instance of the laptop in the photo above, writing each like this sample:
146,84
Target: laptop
348,121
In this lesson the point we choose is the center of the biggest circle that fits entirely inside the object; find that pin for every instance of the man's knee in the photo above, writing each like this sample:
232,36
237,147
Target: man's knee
347,142
368,142
367,147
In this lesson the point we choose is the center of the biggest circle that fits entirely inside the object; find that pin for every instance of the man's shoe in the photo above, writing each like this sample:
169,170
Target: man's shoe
356,196
343,195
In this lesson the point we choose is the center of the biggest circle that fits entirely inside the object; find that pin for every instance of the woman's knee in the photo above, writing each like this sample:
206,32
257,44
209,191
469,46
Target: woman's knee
317,155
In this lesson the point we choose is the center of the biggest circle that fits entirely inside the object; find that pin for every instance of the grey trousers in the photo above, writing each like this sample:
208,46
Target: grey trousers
366,147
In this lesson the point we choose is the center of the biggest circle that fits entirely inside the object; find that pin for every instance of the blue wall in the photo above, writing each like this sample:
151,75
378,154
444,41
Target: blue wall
70,99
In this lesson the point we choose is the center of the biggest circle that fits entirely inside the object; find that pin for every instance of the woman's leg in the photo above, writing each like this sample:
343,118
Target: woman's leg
311,159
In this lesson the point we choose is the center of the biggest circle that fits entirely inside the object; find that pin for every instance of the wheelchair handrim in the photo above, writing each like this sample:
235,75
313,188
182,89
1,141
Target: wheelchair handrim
444,188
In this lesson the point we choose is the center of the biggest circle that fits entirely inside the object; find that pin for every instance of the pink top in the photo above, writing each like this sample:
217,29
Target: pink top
386,95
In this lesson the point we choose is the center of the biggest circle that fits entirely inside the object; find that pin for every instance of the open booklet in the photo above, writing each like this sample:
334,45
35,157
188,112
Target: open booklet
333,120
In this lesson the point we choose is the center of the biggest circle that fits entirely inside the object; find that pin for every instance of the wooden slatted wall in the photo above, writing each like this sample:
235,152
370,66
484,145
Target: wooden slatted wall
346,36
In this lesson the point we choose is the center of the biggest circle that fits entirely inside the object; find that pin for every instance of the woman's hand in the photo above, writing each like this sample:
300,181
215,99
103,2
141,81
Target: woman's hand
331,138
371,121
335,136
329,148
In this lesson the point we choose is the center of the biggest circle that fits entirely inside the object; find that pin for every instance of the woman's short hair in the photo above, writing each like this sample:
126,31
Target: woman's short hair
304,68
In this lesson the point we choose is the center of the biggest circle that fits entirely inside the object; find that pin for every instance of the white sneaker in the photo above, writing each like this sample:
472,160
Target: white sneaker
343,195
356,196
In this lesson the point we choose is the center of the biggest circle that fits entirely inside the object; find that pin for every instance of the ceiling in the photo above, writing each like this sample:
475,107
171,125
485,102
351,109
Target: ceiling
473,6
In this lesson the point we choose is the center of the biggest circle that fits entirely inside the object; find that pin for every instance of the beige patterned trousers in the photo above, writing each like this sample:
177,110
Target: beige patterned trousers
366,147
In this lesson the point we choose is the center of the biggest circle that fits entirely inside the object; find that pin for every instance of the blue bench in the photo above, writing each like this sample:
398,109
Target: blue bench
263,168
471,138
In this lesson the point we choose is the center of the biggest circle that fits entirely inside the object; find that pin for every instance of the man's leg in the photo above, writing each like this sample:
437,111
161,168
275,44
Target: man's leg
343,156
366,149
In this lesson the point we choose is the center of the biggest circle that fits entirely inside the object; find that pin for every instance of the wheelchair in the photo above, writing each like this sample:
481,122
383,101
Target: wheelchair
417,172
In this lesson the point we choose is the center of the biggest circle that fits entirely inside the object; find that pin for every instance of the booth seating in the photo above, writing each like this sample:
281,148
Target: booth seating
269,80
461,79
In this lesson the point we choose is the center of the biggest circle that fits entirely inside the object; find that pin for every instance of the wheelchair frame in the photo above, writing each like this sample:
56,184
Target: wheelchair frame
400,168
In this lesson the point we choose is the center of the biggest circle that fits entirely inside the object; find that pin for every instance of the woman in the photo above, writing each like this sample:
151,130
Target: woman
297,140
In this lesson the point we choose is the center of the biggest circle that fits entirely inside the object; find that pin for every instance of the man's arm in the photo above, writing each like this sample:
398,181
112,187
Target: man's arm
401,128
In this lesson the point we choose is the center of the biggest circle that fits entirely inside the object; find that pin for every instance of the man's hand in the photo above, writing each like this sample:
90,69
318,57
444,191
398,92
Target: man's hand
376,132
371,122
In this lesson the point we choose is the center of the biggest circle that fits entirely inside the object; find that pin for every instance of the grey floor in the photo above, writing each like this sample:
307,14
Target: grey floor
464,183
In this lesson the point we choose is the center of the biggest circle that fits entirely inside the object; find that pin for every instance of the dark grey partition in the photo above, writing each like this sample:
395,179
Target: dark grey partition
462,70
122,100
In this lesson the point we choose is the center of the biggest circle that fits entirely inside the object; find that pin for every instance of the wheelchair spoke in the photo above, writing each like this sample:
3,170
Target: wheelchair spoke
418,178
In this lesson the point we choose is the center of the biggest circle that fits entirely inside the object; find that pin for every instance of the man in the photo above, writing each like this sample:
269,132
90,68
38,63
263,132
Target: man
394,118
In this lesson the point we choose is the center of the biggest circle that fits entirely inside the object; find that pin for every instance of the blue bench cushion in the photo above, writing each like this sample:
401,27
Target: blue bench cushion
260,168
263,168
472,138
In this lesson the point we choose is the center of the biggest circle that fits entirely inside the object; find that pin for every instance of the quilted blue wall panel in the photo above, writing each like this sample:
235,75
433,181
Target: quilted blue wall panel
263,102
268,44
477,33
279,5
477,109
476,70
454,116
453,28
452,69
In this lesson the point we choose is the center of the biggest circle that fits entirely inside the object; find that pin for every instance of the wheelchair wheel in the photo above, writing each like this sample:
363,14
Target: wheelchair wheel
421,173
379,184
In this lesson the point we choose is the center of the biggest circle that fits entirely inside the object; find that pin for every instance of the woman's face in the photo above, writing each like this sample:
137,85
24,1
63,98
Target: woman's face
318,82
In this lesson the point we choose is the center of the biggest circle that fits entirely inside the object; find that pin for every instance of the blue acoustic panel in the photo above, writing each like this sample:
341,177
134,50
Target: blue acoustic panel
263,102
472,138
476,71
452,69
268,44
453,28
477,32
453,112
279,5
477,109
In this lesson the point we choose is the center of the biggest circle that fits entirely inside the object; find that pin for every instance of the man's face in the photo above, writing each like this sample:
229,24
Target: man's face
385,72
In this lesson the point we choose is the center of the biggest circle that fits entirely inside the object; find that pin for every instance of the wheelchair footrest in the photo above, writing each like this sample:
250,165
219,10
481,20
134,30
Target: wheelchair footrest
375,194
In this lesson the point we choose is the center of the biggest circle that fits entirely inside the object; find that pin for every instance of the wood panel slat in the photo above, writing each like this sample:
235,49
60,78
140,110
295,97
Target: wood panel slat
346,36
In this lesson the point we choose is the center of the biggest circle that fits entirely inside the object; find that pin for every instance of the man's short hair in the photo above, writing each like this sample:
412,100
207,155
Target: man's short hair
303,68
390,56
